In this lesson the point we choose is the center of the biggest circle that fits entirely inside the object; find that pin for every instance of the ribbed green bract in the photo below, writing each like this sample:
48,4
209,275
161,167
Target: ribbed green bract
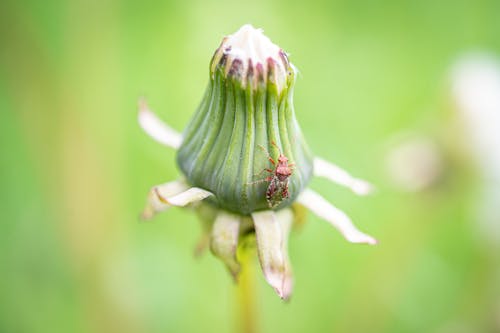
222,147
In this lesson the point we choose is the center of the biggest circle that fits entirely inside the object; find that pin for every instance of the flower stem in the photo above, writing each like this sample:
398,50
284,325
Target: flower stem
247,322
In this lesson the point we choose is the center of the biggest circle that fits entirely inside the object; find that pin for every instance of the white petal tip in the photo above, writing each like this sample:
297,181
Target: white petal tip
143,105
337,218
143,111
361,187
334,173
283,294
362,239
191,195
281,283
224,241
156,128
147,214
271,230
156,203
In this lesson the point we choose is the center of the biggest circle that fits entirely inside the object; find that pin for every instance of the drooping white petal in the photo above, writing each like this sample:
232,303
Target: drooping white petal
334,173
156,128
285,218
206,214
319,206
271,230
182,199
224,240
155,204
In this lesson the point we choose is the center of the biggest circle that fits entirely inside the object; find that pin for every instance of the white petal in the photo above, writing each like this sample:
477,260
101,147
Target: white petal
184,198
319,206
224,240
271,230
249,43
337,175
285,218
155,203
156,128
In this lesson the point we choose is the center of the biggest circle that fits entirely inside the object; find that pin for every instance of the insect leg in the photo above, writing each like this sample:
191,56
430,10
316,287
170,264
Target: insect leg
267,179
266,169
276,146
268,155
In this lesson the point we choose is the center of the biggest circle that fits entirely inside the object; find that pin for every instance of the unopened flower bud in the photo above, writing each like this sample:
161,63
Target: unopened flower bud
243,127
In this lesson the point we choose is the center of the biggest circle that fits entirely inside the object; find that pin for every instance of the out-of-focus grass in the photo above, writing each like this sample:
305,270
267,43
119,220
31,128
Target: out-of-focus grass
75,167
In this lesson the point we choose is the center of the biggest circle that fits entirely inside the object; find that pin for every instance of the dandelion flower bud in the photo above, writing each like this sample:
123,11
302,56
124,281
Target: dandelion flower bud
244,124
245,161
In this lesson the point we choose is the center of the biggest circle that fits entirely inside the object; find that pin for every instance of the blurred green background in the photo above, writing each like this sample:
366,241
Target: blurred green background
75,167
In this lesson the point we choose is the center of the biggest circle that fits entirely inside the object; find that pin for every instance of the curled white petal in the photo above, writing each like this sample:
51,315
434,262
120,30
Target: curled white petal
338,175
156,128
285,218
322,208
271,230
155,203
182,199
224,240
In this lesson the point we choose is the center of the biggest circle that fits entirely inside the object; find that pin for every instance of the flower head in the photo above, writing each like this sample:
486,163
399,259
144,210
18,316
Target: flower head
252,56
244,155
245,129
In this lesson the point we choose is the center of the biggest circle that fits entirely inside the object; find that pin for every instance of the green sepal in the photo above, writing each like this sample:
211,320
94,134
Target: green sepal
222,148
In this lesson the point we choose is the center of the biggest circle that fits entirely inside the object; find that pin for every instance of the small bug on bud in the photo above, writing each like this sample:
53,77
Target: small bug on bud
277,191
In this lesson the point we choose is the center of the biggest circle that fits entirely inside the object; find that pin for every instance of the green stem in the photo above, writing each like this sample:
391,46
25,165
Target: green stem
246,292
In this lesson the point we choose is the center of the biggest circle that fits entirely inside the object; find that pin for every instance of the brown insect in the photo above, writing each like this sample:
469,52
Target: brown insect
277,191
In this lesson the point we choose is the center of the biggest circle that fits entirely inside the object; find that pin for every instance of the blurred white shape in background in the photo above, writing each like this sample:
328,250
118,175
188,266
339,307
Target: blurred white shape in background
476,92
414,163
